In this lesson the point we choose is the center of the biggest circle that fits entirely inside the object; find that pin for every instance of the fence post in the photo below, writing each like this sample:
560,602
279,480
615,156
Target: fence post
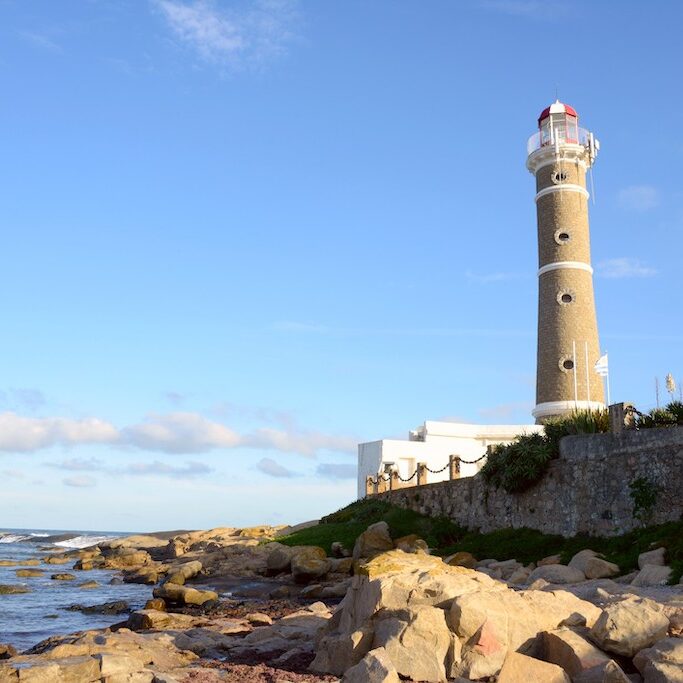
421,473
395,482
369,486
453,467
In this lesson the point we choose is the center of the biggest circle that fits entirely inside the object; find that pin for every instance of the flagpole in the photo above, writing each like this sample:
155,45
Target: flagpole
576,386
609,399
588,379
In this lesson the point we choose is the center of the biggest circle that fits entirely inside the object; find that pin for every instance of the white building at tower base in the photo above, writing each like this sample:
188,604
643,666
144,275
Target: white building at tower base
432,444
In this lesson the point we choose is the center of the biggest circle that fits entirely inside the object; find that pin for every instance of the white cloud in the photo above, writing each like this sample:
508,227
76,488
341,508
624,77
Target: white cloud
161,469
273,469
40,40
232,37
180,433
331,470
299,441
638,197
623,267
79,465
23,434
176,433
80,482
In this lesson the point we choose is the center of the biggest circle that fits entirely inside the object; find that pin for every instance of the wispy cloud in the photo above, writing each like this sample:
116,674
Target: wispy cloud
274,469
337,470
249,36
506,411
189,470
624,267
174,433
80,482
488,278
40,40
638,198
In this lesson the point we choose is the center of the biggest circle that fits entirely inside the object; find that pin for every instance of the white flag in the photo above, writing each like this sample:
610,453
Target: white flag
602,366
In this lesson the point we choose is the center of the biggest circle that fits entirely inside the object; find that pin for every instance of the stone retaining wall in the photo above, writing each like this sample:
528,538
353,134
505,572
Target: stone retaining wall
585,491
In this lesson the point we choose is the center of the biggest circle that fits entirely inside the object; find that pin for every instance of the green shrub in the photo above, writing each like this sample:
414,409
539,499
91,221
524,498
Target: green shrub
520,464
644,494
669,416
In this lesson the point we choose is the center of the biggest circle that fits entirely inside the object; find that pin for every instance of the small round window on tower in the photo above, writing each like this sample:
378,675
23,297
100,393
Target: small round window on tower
562,237
559,177
568,364
565,297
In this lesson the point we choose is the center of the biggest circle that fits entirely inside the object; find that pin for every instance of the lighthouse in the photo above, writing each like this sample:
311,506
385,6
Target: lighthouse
560,154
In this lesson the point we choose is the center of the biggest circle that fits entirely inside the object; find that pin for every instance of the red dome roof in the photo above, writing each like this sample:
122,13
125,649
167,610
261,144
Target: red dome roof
557,107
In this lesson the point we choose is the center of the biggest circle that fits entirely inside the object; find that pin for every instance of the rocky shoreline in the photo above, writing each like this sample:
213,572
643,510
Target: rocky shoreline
236,605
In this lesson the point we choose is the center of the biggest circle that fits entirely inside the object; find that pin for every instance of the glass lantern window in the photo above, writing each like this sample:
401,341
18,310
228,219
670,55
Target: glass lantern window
561,127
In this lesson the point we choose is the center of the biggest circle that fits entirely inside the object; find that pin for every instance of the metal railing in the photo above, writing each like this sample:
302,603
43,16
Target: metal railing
392,480
547,139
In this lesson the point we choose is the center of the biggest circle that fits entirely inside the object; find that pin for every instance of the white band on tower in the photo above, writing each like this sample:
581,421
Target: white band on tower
559,407
565,187
561,265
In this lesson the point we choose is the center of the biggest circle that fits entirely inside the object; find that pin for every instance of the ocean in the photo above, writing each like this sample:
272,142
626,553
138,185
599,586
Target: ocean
28,618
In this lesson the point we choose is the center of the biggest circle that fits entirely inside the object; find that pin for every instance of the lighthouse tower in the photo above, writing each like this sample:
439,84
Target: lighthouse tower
559,155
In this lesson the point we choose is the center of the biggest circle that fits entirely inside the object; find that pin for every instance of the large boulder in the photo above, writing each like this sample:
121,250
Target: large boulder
373,541
655,557
663,662
309,563
416,640
127,558
628,626
493,623
570,651
580,559
279,559
411,543
652,575
375,667
557,573
598,568
183,595
461,559
184,572
519,668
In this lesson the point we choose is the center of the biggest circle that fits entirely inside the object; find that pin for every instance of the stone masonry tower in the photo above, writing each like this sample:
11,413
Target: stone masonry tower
559,155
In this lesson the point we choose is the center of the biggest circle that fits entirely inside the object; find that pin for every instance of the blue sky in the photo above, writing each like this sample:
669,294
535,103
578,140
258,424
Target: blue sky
240,236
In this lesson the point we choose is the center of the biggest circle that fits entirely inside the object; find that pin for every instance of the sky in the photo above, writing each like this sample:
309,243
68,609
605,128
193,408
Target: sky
241,236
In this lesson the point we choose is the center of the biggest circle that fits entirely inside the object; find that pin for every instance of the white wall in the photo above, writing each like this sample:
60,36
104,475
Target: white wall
433,443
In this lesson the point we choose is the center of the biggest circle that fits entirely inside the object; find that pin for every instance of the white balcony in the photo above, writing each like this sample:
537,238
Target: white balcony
547,137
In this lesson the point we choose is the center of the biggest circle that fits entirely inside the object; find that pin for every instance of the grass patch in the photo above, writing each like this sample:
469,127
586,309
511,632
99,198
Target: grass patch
525,545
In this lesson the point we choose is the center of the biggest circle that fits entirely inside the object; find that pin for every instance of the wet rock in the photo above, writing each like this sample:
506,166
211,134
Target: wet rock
57,559
145,575
182,595
157,604
259,619
12,589
88,585
146,619
185,572
112,607
26,573
63,577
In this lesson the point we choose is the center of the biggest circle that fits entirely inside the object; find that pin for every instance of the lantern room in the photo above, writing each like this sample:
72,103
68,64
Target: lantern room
558,123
